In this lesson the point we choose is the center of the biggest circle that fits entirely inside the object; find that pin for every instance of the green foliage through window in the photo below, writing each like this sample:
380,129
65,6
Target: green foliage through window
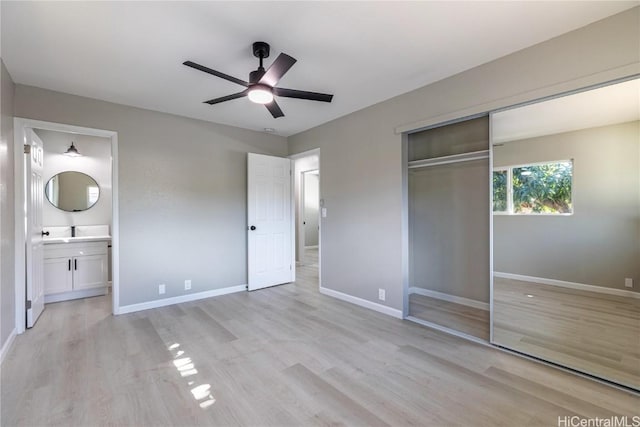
500,191
535,189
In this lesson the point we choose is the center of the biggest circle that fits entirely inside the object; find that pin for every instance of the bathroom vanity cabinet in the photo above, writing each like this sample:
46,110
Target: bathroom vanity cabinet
75,269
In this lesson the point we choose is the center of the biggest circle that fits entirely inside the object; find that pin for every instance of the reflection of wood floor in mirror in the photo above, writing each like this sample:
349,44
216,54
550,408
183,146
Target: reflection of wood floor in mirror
468,320
592,332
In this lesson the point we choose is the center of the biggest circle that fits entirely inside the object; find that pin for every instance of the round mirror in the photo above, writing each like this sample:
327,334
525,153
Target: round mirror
72,191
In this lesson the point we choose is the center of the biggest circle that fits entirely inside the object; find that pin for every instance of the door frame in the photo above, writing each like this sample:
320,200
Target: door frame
294,157
20,125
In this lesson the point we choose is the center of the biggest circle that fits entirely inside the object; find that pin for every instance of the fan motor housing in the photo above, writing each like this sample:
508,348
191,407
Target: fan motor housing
255,76
261,49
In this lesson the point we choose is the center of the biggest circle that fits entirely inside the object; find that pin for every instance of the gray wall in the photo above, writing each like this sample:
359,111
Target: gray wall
600,243
449,229
311,205
7,206
182,186
95,162
361,154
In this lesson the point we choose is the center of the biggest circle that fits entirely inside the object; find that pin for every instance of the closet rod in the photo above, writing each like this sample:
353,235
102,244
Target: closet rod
445,160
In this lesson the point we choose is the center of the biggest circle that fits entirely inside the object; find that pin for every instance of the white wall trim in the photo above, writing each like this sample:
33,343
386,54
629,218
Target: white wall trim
362,302
304,154
450,298
570,285
7,345
180,299
19,137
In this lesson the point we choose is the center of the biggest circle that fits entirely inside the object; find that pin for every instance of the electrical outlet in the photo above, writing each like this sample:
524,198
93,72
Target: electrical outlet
161,289
628,282
187,284
381,294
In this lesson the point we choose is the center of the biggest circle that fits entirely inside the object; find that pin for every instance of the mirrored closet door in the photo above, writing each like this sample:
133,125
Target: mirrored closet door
566,231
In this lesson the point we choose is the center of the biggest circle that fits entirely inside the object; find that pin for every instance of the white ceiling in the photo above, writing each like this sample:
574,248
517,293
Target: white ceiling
363,52
608,105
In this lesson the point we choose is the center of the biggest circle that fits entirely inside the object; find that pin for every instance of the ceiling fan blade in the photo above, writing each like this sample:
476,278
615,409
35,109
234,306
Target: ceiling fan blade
215,73
226,98
274,109
278,69
301,94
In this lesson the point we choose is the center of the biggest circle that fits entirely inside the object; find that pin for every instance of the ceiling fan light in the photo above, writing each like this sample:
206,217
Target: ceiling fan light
260,94
72,151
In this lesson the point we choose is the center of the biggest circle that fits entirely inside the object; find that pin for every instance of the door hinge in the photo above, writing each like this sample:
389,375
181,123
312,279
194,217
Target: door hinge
28,304
27,149
290,266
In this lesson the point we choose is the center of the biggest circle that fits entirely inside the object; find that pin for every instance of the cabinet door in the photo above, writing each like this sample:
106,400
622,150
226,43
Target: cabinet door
89,271
57,275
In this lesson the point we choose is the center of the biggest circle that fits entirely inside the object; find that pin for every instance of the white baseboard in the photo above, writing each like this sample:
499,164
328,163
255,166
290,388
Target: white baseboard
180,299
7,345
66,296
450,298
362,302
570,285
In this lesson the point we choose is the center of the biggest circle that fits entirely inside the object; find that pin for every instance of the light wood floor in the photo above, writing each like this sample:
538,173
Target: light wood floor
276,357
311,257
592,332
462,318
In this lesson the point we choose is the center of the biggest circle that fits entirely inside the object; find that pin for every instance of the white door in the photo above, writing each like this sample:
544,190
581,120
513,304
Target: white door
270,227
34,246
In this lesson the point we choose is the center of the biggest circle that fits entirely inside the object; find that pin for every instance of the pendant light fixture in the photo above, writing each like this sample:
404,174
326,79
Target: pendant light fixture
72,151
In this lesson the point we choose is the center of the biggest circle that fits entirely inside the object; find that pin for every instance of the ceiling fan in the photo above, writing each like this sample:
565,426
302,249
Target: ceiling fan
261,85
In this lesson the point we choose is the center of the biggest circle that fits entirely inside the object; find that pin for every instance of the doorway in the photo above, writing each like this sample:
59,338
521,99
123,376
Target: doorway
27,255
308,215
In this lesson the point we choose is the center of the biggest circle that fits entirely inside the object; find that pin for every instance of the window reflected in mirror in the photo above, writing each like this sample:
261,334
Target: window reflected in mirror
543,188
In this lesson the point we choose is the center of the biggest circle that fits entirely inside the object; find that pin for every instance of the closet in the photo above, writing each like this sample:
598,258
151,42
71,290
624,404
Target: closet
449,196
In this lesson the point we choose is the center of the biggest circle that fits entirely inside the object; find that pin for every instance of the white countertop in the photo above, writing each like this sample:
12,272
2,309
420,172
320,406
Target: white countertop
49,240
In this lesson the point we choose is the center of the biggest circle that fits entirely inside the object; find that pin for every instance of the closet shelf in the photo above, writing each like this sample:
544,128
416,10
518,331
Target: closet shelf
444,160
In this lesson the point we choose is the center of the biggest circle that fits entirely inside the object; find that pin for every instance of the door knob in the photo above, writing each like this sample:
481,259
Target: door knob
253,227
45,233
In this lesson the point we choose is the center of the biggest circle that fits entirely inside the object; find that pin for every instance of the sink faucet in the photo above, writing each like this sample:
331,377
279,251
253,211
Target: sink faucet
73,231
